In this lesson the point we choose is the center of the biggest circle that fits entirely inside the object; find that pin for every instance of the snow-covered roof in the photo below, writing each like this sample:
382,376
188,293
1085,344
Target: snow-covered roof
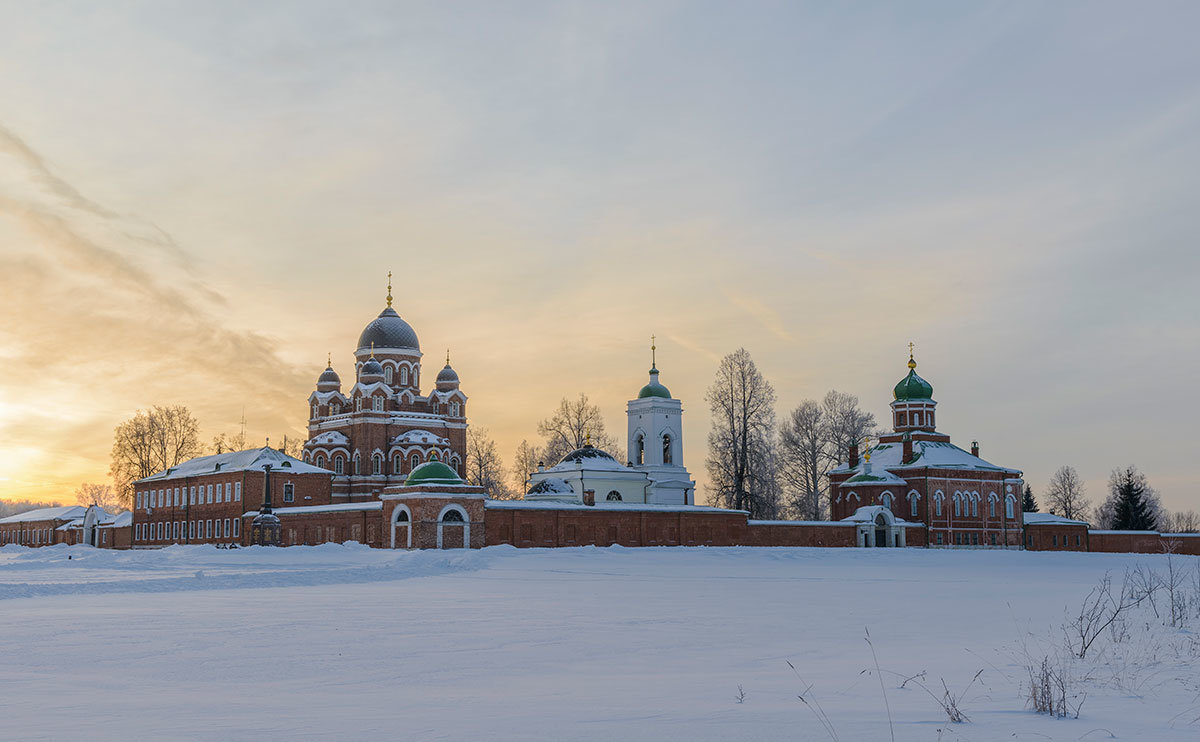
1049,519
551,486
588,458
868,513
330,438
422,437
800,523
306,509
120,520
874,476
605,505
250,460
931,454
66,512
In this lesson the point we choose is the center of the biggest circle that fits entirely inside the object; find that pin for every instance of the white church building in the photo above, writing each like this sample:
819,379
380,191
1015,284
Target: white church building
654,474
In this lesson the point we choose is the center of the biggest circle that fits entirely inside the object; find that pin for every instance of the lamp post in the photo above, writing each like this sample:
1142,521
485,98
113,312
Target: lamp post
264,529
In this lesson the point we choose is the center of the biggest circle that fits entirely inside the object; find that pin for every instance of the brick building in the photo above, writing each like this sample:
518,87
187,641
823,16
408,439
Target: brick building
376,433
919,475
203,500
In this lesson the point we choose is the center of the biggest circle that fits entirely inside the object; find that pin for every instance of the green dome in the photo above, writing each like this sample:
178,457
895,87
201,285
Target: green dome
654,389
432,472
913,386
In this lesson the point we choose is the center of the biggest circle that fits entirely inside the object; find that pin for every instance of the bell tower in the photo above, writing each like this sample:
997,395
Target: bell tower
912,405
655,441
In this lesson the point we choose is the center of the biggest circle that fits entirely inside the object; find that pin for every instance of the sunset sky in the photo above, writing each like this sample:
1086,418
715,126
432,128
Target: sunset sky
198,201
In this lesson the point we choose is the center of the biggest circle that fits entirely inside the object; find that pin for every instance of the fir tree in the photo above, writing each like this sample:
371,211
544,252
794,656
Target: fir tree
1130,497
1028,504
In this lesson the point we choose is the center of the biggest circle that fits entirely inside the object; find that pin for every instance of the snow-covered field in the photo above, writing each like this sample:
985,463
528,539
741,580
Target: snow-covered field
344,642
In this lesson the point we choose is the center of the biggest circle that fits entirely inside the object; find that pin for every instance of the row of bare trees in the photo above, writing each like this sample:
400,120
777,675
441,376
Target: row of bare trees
1131,504
772,473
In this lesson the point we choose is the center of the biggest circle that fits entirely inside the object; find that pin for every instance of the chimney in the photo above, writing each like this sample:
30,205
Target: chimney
908,449
853,455
975,448
589,497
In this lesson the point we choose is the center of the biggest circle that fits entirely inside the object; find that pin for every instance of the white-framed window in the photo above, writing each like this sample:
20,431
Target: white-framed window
208,529
387,375
376,464
237,527
912,506
397,463
237,491
377,404
289,492
403,376
314,411
319,461
210,495
226,528
338,464
336,408
886,500
229,492
191,529
957,505
192,494
175,531
937,505
1009,508
414,461
992,507
139,501
358,404
974,506
357,460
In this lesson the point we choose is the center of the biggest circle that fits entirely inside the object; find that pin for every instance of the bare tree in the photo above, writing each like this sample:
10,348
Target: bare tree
846,423
484,467
525,461
99,494
13,507
571,426
291,446
226,443
1182,521
151,441
741,453
804,459
1065,496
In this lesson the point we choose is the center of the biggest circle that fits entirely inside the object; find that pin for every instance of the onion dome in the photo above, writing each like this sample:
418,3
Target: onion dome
371,371
913,386
432,472
388,331
588,454
654,389
329,381
447,378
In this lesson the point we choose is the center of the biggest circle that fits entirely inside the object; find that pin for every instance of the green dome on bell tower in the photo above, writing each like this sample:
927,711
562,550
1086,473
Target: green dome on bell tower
912,386
654,389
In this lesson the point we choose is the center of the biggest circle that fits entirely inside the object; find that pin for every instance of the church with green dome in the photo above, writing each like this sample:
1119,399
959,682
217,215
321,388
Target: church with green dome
932,491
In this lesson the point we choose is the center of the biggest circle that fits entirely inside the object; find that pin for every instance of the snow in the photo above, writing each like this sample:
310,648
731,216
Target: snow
1044,519
250,460
605,505
931,454
351,643
67,512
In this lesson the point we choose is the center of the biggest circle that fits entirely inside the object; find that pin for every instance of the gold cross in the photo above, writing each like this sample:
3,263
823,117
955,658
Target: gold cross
389,296
910,348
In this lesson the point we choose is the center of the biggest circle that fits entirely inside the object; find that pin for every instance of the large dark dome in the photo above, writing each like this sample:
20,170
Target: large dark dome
388,331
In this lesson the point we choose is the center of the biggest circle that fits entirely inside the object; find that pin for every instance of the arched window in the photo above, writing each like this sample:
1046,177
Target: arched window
403,376
886,500
666,448
358,404
339,465
413,462
917,419
357,460
387,375
992,507
613,496
452,516
957,505
377,464
319,461
640,456
974,506
402,516
397,463
1008,507
457,465
912,505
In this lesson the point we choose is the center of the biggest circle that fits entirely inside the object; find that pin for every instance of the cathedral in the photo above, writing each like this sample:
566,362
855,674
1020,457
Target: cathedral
382,428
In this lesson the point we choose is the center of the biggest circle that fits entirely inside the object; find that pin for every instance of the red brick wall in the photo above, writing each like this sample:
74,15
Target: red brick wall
1057,537
341,526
